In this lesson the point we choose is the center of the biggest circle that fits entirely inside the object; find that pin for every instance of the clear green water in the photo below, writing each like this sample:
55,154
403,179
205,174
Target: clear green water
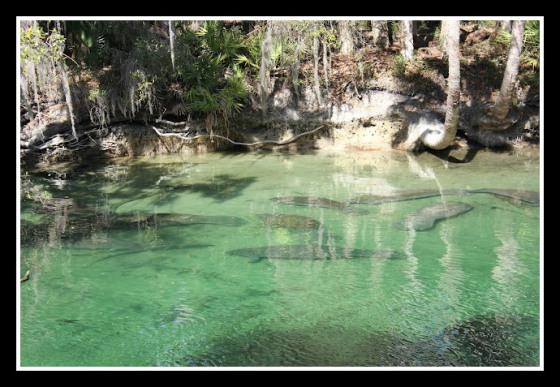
466,294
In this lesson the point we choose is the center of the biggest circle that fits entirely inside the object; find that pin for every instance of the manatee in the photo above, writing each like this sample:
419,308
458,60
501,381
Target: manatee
426,218
163,249
185,219
527,197
403,196
289,221
128,220
314,201
200,219
310,252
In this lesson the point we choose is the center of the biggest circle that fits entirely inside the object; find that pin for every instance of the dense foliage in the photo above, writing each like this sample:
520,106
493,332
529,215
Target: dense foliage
125,68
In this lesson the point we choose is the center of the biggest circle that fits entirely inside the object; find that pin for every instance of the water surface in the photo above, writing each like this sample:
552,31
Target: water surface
156,293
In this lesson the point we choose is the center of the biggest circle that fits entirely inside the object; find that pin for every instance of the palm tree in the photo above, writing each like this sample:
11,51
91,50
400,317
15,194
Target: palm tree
407,44
264,71
346,38
443,35
441,139
172,42
380,33
504,25
503,102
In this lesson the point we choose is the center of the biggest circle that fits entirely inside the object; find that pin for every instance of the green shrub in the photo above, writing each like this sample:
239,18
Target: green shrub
399,65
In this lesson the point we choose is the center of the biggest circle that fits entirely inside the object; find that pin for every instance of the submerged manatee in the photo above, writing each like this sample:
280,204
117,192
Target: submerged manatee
185,219
200,219
310,252
403,196
289,221
314,201
426,218
527,197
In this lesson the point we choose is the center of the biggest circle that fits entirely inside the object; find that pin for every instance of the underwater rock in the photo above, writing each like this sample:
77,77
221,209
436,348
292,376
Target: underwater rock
314,201
289,221
426,218
310,252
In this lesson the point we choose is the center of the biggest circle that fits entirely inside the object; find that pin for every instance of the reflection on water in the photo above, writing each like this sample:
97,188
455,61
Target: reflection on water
112,284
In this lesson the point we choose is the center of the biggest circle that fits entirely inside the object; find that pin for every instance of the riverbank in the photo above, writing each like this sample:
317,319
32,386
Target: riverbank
369,100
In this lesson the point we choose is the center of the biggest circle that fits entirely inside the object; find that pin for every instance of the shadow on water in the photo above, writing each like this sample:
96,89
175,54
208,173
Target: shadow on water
456,155
220,188
446,155
487,340
494,340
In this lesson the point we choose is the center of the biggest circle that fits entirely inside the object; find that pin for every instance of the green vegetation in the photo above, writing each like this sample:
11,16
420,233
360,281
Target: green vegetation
123,69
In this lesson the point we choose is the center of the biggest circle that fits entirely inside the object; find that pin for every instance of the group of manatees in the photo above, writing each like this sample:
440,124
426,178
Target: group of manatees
422,220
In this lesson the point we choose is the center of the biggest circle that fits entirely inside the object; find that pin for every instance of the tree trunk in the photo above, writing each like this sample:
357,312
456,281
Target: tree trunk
503,102
380,33
172,42
441,140
504,25
195,25
295,72
316,84
264,72
67,96
346,38
34,78
325,67
407,42
443,36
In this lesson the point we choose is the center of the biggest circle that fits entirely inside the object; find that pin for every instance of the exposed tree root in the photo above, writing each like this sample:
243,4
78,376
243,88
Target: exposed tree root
190,138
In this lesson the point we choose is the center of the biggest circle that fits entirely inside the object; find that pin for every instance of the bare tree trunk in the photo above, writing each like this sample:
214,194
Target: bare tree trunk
316,84
25,98
295,72
437,140
67,96
172,42
346,38
443,36
380,31
407,42
34,76
503,102
325,67
453,82
504,25
264,73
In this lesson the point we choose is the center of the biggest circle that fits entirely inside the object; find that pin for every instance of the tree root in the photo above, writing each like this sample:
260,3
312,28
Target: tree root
187,138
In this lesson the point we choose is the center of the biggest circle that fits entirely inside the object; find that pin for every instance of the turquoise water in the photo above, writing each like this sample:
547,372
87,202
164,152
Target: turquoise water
465,293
